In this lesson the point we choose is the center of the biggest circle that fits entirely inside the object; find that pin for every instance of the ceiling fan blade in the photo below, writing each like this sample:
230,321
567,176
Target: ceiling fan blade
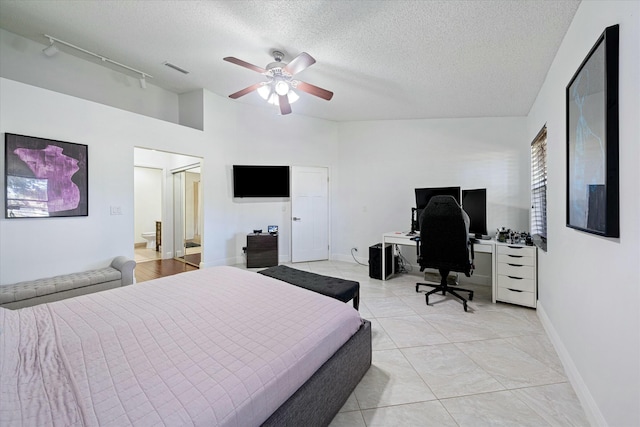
245,91
285,107
244,64
299,63
315,90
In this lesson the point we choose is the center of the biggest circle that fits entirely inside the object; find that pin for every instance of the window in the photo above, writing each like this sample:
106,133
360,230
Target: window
539,189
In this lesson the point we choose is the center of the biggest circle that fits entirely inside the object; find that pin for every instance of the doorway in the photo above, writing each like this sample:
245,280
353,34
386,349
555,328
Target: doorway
309,214
187,215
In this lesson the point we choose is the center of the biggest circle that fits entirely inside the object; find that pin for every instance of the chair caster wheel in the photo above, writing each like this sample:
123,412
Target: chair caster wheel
465,306
417,288
471,296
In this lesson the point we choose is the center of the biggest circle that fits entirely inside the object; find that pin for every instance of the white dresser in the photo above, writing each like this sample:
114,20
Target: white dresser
516,267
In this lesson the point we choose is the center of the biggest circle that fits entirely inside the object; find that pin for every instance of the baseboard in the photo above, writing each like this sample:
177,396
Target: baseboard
594,416
348,258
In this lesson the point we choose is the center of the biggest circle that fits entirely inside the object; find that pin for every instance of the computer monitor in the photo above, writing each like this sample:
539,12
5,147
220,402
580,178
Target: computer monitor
474,203
423,195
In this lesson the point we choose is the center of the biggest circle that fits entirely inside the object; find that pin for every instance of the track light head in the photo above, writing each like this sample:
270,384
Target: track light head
50,50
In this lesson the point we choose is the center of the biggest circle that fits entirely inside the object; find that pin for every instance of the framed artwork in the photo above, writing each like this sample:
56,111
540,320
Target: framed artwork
44,178
592,140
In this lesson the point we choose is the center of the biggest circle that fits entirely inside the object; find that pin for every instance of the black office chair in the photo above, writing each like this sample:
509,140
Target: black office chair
444,244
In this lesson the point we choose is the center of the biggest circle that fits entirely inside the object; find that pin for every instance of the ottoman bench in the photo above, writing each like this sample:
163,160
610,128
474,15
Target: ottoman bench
340,289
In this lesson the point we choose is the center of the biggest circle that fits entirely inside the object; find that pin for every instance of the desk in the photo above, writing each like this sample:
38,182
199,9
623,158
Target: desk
483,246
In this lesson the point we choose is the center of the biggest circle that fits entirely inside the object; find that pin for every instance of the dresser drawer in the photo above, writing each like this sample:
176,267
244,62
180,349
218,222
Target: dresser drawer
516,297
516,259
511,282
527,251
515,270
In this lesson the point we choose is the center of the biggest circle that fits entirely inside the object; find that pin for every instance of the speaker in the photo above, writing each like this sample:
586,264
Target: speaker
375,260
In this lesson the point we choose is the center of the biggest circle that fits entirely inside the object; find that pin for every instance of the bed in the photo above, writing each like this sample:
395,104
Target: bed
218,346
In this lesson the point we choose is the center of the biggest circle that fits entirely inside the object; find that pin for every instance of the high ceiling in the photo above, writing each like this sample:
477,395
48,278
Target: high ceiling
382,59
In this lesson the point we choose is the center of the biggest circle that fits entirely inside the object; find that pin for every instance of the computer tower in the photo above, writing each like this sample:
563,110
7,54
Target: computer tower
375,260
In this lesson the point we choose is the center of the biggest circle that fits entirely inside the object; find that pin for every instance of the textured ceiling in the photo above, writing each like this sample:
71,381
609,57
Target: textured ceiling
382,59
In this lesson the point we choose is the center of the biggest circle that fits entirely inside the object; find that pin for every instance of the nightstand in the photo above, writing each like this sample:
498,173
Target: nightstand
262,250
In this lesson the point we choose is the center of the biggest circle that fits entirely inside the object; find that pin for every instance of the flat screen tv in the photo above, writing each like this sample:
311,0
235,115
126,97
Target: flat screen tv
260,181
474,203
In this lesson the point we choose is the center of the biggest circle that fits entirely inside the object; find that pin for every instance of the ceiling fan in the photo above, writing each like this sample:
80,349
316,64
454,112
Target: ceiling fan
278,89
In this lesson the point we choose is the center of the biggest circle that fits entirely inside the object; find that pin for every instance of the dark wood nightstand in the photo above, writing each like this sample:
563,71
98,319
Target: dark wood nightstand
262,250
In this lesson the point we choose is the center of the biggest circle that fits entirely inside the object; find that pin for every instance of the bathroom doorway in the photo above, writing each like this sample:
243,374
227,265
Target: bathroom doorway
168,164
187,215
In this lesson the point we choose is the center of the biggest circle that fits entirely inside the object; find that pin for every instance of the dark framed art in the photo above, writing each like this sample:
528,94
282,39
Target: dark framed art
593,201
44,178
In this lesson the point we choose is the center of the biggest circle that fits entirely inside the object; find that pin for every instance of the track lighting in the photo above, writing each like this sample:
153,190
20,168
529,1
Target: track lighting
52,50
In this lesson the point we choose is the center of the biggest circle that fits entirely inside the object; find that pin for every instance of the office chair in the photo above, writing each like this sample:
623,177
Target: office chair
444,244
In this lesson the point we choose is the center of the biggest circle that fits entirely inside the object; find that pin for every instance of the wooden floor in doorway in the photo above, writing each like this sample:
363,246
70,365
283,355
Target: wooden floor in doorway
149,270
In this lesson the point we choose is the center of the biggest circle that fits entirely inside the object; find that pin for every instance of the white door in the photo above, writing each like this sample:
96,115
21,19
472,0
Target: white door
309,214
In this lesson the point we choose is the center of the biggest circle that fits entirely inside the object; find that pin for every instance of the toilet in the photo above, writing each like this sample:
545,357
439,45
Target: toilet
150,237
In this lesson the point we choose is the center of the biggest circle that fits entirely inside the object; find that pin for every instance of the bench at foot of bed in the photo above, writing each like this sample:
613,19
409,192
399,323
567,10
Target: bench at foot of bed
340,289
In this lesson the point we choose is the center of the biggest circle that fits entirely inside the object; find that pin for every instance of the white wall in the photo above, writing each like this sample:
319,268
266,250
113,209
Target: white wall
380,163
242,134
64,245
23,61
366,160
589,287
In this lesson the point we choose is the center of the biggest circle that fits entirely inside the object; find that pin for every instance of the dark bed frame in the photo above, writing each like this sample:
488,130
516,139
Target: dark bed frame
318,400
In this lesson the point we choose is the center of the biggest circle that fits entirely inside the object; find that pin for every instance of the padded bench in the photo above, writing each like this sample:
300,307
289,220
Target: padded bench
33,292
340,289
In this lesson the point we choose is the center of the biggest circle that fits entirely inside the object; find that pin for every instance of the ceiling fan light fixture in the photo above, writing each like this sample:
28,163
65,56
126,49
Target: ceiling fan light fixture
269,92
273,99
264,91
293,97
282,87
280,82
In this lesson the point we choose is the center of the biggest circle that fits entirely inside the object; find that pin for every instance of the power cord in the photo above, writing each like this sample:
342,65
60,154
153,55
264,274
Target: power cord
354,257
403,264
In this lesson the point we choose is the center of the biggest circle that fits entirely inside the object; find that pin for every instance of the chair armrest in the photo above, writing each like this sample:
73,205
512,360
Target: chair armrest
126,266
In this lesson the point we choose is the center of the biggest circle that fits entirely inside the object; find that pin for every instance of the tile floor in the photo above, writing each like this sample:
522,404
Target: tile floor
439,366
143,254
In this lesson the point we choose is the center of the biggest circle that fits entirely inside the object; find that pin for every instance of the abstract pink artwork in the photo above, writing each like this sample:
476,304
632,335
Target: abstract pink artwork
44,178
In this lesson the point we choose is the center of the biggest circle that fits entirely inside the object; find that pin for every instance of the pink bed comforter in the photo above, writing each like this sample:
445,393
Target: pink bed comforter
218,346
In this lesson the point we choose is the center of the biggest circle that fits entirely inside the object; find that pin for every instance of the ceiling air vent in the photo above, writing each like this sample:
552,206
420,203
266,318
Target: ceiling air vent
175,67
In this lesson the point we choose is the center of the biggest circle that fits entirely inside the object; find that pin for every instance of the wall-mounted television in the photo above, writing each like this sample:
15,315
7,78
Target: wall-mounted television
260,181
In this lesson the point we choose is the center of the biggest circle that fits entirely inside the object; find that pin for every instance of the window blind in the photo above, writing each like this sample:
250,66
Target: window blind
539,186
